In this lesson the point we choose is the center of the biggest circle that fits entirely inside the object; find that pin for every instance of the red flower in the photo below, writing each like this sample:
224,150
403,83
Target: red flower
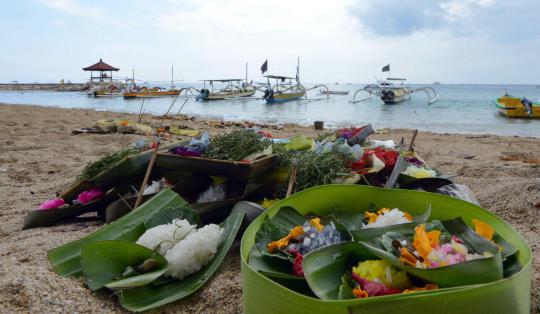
297,265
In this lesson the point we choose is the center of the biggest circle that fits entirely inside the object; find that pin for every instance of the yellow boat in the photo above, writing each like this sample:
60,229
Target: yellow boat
514,107
151,92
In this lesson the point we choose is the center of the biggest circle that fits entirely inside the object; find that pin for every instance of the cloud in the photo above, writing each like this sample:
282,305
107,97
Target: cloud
72,7
505,20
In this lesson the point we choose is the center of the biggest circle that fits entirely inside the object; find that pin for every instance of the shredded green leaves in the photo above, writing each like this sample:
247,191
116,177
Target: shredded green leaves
94,168
236,145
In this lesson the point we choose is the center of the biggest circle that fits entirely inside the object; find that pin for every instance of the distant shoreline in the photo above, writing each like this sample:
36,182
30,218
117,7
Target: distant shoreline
66,87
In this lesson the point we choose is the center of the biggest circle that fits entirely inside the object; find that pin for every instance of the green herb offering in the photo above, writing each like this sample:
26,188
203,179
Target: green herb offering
94,168
236,145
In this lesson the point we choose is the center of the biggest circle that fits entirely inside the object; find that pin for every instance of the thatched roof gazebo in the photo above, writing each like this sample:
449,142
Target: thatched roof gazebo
102,68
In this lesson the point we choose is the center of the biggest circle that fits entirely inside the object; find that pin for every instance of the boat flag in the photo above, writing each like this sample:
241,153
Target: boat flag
386,68
264,67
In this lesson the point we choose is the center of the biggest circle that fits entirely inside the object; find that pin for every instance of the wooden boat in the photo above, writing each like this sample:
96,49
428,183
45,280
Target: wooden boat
514,107
233,88
151,92
285,89
391,93
111,90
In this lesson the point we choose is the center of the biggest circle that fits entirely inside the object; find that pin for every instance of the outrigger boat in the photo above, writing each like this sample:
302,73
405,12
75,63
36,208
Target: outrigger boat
283,90
514,107
233,88
112,90
391,93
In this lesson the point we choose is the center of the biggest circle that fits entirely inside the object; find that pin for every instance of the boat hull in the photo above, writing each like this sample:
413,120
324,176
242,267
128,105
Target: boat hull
128,95
512,107
277,98
394,96
222,96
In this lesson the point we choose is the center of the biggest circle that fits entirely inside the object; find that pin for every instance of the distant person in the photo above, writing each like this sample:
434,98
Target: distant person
528,104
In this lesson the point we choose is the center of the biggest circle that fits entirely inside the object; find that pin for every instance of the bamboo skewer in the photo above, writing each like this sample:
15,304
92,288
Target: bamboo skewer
412,141
292,178
147,175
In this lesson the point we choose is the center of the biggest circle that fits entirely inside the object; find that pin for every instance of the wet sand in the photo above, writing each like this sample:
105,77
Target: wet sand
39,156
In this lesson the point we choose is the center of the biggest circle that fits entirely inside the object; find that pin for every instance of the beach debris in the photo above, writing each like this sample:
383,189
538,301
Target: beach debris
461,155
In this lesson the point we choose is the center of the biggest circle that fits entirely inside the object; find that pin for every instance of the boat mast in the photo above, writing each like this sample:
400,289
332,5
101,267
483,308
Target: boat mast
246,73
298,71
172,76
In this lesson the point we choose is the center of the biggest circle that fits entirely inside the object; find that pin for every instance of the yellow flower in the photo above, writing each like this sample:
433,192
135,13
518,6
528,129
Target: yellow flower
316,222
483,229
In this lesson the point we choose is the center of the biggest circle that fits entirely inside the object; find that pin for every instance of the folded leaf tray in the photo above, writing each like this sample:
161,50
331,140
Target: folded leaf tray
214,167
508,295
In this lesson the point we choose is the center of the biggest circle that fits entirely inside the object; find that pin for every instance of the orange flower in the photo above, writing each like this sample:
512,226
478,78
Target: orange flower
382,211
371,217
283,242
483,229
124,122
407,257
359,293
316,222
422,243
434,238
408,216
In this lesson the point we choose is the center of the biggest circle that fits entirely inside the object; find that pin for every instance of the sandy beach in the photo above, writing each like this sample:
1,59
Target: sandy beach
39,156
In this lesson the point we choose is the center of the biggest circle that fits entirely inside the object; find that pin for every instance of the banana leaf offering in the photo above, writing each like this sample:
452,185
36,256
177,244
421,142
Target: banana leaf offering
242,154
453,257
156,254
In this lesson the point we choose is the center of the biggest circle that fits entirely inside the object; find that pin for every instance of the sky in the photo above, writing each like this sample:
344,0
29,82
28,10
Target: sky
450,41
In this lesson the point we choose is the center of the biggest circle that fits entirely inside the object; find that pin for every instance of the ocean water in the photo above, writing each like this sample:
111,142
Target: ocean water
460,108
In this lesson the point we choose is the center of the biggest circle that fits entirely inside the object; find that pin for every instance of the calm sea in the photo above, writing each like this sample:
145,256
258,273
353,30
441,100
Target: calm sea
460,109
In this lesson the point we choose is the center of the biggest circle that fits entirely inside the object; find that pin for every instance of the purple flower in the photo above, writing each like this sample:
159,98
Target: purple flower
50,204
185,151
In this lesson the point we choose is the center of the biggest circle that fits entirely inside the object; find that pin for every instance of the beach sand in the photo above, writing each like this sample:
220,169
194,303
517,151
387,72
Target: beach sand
39,156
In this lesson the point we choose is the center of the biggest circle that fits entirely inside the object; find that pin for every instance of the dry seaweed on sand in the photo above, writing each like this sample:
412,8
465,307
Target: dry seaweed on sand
236,145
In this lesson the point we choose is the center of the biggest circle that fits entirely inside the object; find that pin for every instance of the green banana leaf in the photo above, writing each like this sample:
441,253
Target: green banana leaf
262,294
325,267
151,296
276,265
168,214
104,262
66,259
478,271
354,222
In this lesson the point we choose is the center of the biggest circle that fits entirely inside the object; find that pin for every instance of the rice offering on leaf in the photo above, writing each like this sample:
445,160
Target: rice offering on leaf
163,237
194,252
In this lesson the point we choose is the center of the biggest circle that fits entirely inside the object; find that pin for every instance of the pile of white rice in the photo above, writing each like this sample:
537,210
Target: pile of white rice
390,218
186,248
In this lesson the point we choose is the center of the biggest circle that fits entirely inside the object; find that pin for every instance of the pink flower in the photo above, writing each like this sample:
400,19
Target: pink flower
50,204
89,196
